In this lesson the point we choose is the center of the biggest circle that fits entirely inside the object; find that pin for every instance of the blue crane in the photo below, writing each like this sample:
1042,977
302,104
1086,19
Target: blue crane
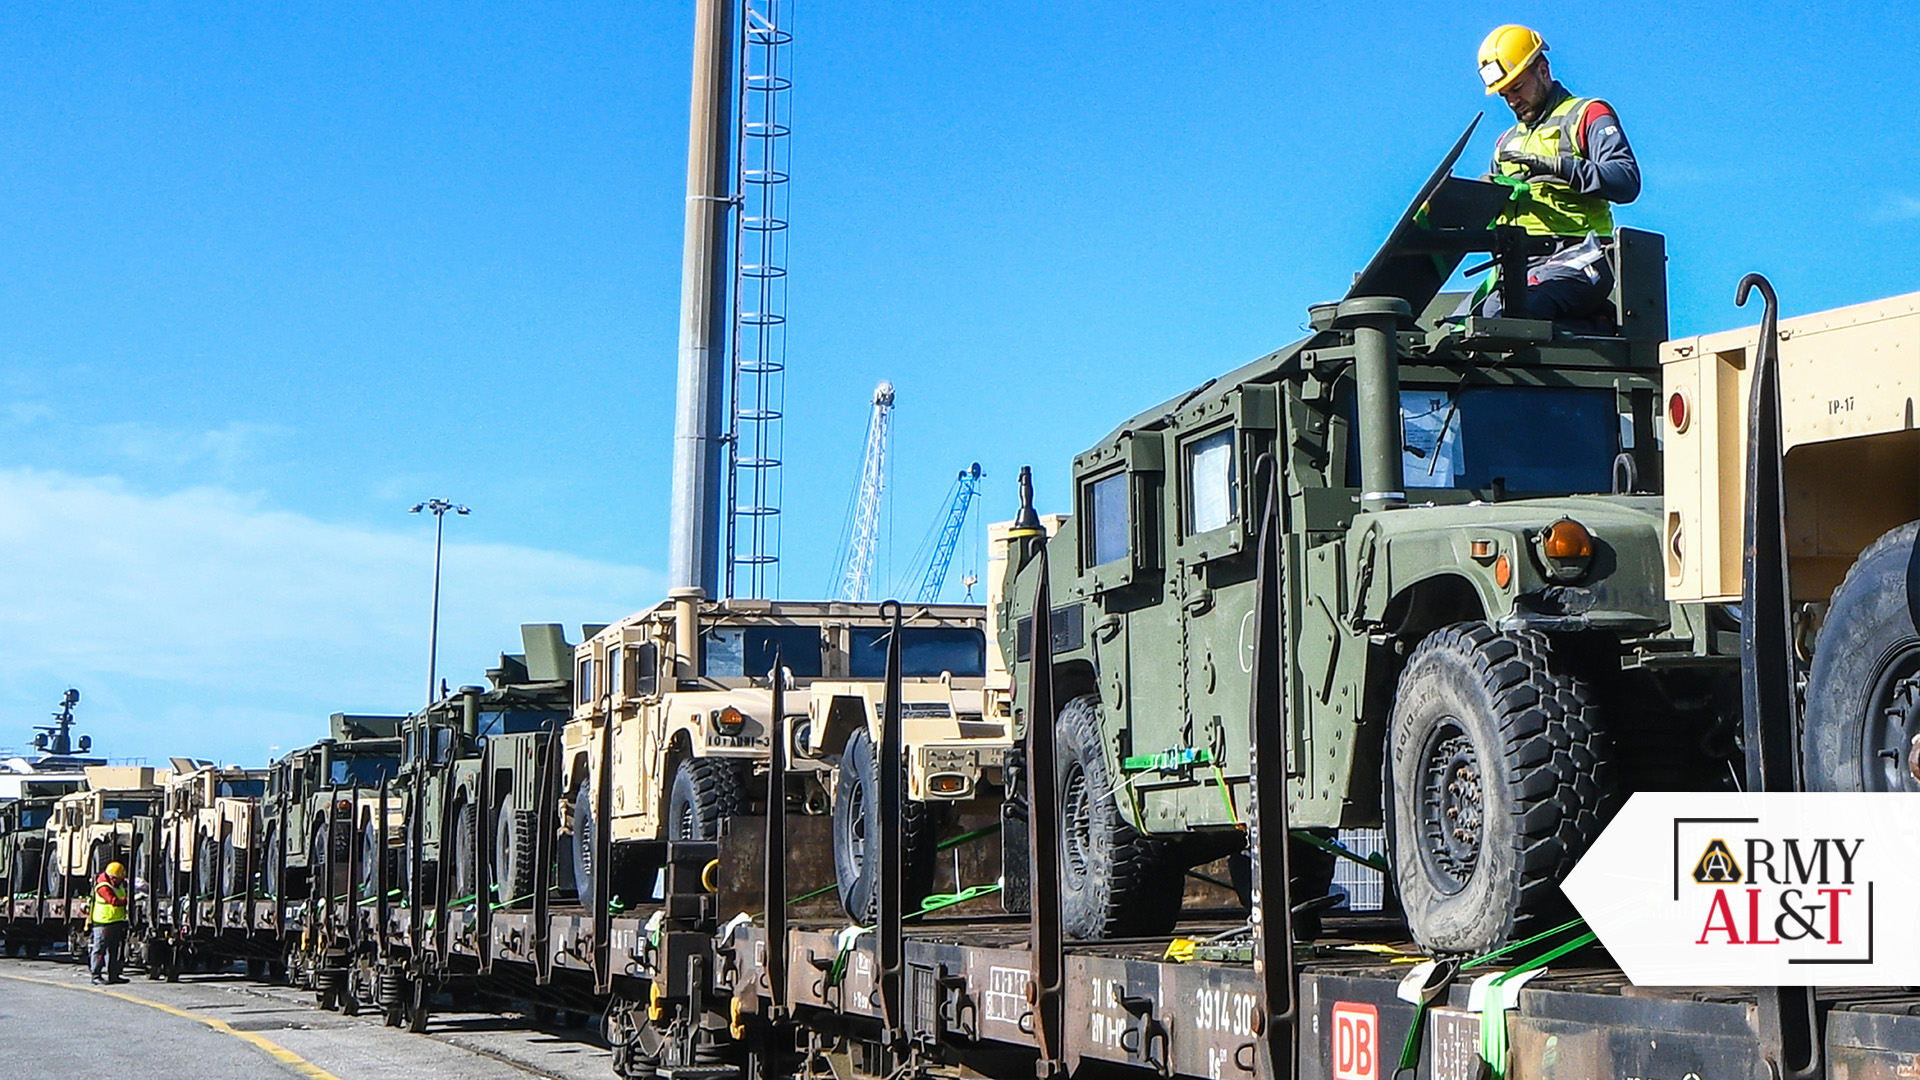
966,487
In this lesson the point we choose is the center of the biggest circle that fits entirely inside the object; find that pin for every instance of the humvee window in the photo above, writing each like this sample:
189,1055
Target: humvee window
241,789
583,684
115,811
33,819
1526,438
924,652
1107,531
616,672
1211,480
365,772
742,652
519,721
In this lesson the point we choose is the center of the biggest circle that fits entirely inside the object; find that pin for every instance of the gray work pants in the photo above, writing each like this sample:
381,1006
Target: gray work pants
108,951
1571,286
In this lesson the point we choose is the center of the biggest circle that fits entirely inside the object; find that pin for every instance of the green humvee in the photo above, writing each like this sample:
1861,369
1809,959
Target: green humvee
445,748
1478,653
362,751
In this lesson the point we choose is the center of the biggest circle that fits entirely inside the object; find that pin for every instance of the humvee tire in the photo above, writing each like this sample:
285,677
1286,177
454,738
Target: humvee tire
1861,721
466,834
1500,775
513,853
705,792
856,805
578,859
1114,881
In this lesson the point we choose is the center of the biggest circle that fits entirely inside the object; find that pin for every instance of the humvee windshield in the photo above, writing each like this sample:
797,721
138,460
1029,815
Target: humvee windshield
33,819
1529,438
241,789
738,652
119,810
925,651
364,771
519,721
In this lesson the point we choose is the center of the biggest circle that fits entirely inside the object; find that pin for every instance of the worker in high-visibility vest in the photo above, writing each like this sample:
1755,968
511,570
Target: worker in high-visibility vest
107,915
1567,160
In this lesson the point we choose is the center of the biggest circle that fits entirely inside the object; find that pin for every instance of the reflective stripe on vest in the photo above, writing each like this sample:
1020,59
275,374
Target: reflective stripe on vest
109,911
1552,208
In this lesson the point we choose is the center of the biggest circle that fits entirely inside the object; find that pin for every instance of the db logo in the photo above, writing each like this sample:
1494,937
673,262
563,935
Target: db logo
1356,1041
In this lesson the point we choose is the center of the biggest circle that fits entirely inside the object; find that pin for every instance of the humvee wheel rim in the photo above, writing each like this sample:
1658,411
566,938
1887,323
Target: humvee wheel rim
1076,823
1452,808
1892,722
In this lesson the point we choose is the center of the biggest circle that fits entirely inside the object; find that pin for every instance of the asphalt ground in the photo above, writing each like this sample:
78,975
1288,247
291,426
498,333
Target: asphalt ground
55,1025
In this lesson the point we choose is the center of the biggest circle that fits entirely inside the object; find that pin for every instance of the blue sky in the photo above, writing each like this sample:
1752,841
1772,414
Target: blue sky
275,274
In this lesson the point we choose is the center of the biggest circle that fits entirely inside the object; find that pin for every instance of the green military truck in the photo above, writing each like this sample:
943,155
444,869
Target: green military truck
362,751
1478,651
446,748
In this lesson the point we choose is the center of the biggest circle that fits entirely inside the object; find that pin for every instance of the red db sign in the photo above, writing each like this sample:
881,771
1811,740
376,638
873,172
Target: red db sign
1356,1041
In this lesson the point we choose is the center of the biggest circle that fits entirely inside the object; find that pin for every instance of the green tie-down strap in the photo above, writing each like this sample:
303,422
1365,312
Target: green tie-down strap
1493,1035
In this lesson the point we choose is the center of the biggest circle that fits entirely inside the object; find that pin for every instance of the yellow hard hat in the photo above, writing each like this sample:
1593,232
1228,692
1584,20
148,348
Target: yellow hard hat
115,869
1506,53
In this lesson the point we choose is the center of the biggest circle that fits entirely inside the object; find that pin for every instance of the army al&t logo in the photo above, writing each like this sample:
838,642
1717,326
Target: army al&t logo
1757,889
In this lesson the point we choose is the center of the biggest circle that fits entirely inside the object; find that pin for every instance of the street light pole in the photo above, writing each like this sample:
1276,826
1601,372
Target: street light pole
438,508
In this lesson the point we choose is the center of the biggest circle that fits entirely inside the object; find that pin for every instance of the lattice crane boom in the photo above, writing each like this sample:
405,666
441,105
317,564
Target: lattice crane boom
856,583
966,488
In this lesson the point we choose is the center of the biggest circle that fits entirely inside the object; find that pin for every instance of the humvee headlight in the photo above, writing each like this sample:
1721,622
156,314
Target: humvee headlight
1677,413
1567,539
1566,549
728,721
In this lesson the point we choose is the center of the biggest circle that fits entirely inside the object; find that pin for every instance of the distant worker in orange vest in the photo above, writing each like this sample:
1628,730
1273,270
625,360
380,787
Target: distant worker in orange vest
107,914
1568,161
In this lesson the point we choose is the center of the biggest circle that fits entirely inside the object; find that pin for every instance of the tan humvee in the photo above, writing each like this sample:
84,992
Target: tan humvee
111,820
1849,383
207,826
682,690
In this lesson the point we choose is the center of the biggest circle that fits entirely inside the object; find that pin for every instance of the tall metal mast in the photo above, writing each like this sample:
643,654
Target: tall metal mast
698,427
756,443
863,531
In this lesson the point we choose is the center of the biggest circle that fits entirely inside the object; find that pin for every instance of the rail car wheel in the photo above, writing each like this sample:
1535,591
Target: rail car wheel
1500,775
513,852
419,1000
705,792
13,948
1114,881
1862,729
856,838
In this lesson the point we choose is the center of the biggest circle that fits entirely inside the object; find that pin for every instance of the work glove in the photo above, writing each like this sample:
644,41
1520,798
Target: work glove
1538,165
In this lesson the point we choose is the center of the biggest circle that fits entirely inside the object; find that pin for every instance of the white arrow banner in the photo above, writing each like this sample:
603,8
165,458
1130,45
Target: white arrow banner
1738,889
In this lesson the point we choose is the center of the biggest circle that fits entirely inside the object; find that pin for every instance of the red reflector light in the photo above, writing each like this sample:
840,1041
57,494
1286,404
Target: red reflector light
1677,411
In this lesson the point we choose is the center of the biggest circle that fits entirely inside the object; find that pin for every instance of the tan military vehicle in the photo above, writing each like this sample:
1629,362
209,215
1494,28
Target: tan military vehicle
1849,383
209,819
682,690
112,820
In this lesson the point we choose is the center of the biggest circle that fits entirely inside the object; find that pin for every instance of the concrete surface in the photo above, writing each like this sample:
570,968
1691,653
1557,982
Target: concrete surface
54,1026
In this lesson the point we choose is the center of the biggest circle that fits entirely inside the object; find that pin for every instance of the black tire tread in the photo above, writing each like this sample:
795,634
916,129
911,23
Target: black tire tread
1144,891
719,792
917,844
1557,749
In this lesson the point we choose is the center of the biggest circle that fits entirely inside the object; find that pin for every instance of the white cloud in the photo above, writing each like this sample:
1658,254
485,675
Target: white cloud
200,623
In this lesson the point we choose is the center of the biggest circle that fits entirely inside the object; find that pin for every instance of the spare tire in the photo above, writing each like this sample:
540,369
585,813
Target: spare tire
856,840
1863,694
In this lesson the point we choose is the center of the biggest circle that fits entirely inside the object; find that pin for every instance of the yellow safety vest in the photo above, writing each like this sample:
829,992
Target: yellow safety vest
109,911
1551,208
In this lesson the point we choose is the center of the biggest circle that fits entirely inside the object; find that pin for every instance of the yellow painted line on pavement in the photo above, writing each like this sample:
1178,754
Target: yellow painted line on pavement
272,1049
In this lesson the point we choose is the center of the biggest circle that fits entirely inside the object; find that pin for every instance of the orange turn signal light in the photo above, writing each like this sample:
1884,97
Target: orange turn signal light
1502,571
1567,539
